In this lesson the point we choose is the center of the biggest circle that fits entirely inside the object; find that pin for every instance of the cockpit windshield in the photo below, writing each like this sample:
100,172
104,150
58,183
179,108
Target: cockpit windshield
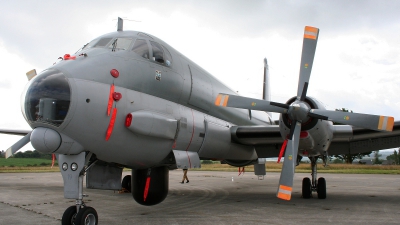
120,44
96,43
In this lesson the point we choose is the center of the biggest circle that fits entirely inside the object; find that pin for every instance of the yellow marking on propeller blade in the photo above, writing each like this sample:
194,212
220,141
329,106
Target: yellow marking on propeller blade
218,100
226,100
310,32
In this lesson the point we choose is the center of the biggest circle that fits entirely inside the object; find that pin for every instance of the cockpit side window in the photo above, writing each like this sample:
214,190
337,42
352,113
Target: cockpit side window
141,48
120,44
167,56
158,53
88,45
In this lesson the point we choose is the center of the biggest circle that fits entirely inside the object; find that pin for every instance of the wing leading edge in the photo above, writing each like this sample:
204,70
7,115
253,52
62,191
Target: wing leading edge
267,140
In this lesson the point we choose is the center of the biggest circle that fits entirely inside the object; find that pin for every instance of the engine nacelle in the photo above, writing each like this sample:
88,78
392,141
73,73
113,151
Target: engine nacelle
311,122
316,135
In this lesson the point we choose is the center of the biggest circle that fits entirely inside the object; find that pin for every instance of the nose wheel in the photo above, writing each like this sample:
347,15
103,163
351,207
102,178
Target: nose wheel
314,185
85,216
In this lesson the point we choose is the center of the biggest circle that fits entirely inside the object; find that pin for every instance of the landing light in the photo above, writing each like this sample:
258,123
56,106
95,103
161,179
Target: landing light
74,166
65,166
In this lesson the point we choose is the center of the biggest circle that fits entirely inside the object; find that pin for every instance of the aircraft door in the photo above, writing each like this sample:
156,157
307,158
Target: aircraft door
201,89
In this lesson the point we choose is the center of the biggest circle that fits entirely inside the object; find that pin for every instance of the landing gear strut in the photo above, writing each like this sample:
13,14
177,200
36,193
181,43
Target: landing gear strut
73,168
314,185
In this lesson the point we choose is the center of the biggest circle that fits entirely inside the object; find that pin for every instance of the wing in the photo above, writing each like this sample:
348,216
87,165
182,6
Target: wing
364,140
267,140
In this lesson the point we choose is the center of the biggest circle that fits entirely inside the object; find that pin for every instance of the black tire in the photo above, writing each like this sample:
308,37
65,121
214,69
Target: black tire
69,215
306,188
87,216
126,182
321,188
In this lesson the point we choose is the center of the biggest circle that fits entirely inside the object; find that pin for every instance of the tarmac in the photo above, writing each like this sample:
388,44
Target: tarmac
210,198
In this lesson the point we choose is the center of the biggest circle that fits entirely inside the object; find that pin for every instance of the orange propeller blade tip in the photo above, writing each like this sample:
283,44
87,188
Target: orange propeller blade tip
284,192
218,100
221,100
311,32
386,123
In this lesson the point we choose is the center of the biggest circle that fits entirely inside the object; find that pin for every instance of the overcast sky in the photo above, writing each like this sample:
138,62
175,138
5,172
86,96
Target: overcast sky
356,66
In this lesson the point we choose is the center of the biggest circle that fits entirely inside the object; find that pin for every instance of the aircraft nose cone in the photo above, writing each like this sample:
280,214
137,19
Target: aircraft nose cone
47,98
45,140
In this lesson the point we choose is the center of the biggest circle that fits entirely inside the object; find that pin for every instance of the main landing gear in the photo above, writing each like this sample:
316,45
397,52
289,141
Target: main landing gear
314,185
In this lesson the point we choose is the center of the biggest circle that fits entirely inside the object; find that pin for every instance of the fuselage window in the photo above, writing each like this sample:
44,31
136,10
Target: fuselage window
158,54
120,44
167,57
141,48
102,42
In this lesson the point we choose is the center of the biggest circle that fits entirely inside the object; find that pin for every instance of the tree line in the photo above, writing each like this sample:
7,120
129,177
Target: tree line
29,154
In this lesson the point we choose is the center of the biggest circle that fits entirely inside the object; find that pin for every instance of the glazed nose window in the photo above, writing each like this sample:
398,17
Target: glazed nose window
48,97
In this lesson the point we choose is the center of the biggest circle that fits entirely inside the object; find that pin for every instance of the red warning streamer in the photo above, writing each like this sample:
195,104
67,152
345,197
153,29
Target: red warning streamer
111,125
146,188
241,170
282,150
110,100
53,159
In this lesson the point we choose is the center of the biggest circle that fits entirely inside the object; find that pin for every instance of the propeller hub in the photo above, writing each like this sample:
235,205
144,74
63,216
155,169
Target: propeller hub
298,111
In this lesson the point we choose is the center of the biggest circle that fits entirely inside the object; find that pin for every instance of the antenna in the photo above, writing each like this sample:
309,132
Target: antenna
120,24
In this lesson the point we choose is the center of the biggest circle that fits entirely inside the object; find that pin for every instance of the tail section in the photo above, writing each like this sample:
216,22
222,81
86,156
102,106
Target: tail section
266,88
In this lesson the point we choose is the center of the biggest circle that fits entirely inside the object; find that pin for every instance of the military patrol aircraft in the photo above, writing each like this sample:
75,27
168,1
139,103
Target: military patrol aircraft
129,100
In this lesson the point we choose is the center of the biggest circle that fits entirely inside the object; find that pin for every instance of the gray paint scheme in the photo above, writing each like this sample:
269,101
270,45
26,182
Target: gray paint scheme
186,159
105,177
173,111
71,178
173,96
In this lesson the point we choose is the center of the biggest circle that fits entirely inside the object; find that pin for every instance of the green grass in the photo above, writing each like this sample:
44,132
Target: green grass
26,165
22,162
44,165
306,168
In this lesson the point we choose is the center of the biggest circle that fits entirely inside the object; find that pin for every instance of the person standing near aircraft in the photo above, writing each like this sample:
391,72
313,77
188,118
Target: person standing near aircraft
185,176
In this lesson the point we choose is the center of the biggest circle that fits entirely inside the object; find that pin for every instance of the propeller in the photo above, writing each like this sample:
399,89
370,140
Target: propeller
299,111
18,145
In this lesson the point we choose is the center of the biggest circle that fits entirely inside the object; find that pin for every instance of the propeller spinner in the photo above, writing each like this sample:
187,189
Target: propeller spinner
299,111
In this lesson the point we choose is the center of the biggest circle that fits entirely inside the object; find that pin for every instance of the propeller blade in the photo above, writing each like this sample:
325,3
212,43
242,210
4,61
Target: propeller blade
307,59
236,101
287,173
18,145
372,122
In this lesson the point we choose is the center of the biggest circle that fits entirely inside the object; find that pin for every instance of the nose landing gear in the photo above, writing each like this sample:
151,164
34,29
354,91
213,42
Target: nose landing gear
73,168
314,185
